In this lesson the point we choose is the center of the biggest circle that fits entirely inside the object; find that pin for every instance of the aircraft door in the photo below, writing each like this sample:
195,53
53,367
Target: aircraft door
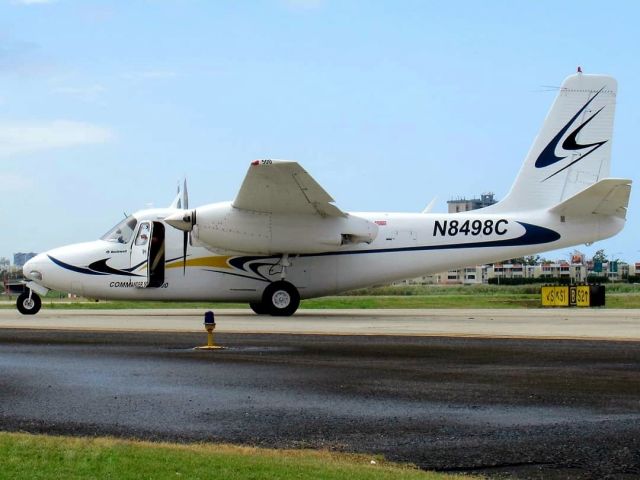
140,252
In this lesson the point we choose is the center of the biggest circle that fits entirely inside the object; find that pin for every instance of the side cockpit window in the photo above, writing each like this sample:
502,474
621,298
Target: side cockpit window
122,232
143,234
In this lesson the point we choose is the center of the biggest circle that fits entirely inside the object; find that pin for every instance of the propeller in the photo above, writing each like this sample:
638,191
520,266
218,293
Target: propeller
185,235
183,220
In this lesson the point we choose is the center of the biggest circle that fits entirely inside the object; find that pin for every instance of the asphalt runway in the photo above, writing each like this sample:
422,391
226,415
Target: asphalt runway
529,408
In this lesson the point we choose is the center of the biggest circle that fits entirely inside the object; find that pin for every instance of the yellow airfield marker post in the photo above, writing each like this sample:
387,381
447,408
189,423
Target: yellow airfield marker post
210,326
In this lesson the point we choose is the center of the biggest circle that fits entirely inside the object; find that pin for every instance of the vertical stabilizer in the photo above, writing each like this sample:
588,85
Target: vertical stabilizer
572,150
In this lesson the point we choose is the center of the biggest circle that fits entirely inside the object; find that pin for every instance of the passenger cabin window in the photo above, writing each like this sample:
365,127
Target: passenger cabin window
143,234
122,232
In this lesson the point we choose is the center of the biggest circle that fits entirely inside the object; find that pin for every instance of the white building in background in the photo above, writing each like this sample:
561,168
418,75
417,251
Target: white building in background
20,258
576,270
466,204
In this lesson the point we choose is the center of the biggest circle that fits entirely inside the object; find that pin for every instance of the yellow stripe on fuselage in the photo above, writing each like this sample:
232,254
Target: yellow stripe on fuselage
214,262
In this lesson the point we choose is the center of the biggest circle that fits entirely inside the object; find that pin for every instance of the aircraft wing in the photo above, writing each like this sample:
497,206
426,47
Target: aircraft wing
281,186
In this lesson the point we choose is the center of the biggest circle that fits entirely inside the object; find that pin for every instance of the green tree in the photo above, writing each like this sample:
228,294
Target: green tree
515,261
4,266
600,256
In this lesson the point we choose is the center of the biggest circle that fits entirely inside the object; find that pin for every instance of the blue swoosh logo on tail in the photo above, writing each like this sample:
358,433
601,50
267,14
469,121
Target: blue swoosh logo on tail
548,156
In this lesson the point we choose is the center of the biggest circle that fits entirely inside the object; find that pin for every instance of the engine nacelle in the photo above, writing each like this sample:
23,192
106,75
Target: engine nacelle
224,227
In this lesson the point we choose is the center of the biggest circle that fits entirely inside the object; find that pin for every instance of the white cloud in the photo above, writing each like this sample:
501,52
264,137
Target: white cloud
33,2
23,58
149,74
88,93
13,182
303,4
88,90
28,137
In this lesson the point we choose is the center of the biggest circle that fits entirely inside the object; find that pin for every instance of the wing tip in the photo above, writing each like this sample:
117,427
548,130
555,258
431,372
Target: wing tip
271,161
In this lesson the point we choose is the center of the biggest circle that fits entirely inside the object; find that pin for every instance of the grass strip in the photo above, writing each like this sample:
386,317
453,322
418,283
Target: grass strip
43,457
400,296
347,301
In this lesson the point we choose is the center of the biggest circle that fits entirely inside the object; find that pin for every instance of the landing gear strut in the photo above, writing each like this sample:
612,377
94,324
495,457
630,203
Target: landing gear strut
29,303
284,263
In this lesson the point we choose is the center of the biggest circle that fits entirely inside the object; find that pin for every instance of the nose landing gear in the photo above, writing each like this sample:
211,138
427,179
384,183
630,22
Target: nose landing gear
29,303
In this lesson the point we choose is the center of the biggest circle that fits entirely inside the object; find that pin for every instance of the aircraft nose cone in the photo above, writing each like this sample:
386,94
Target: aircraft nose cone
182,220
33,269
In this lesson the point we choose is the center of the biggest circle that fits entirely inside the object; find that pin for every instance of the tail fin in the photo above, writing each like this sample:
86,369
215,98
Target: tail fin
572,150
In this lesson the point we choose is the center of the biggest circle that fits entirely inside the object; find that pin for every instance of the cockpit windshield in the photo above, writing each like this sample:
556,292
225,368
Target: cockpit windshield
122,232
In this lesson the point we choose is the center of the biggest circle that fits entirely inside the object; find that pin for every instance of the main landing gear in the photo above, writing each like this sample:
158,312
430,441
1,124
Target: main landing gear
29,303
280,298
259,308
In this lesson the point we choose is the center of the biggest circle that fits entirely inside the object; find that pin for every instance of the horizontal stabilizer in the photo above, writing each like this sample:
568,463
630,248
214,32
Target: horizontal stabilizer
606,197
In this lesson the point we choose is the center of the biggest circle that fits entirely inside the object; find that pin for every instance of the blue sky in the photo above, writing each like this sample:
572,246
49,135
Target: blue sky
105,105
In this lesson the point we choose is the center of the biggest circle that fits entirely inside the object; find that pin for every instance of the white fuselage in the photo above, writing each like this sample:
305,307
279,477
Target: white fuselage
407,245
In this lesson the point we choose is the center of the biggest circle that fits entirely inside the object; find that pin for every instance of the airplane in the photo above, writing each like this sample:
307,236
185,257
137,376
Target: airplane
283,239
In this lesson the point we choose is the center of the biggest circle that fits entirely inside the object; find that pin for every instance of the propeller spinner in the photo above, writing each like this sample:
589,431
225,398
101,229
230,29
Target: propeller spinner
184,220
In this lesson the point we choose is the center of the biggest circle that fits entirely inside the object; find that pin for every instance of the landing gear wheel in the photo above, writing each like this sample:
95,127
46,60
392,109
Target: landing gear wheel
260,308
281,299
28,305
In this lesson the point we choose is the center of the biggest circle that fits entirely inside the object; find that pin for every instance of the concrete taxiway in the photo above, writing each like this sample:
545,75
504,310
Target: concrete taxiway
603,324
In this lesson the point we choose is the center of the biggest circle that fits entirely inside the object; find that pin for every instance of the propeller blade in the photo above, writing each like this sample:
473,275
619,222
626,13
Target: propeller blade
185,195
185,238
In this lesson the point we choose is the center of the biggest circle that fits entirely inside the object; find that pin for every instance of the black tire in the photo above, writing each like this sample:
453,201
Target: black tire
259,307
281,299
28,306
